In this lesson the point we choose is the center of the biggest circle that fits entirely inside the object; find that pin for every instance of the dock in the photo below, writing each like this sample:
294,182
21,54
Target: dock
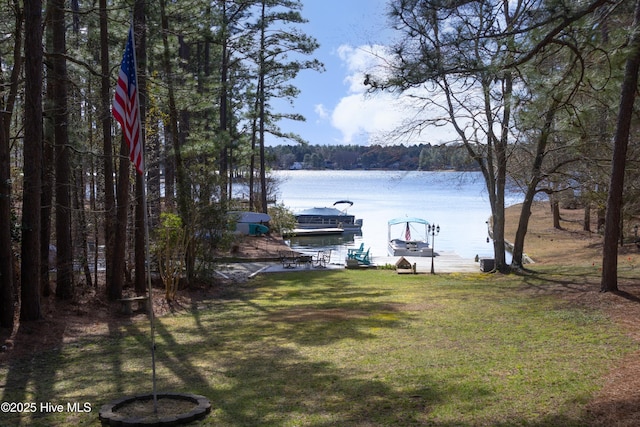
443,262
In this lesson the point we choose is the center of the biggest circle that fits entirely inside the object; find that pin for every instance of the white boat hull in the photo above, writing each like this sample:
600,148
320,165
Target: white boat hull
398,247
313,231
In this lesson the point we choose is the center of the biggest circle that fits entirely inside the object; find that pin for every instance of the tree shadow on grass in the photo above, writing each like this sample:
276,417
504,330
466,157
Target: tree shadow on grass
627,295
569,281
265,378
576,282
265,383
261,362
278,385
619,411
30,382
320,315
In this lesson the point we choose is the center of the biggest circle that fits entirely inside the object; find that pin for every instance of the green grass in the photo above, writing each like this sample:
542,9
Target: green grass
348,348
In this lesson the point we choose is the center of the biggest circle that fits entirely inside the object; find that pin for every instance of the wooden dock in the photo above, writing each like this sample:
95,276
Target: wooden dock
443,262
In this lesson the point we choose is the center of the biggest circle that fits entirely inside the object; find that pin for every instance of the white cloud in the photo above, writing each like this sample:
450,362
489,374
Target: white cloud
357,114
321,111
359,61
375,116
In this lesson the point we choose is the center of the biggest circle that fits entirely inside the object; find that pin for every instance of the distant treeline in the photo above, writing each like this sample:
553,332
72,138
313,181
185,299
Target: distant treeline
396,157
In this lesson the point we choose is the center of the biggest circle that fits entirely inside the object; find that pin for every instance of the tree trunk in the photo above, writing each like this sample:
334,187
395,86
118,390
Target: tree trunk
261,91
523,224
499,248
252,162
81,215
107,148
46,199
555,212
536,172
609,280
7,309
177,140
586,222
6,247
64,244
48,177
600,220
224,110
495,178
94,244
30,269
122,209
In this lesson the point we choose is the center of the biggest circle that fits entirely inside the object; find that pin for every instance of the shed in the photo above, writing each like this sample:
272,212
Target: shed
403,266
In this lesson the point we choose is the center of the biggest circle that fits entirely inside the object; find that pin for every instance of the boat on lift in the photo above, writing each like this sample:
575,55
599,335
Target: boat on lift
329,220
413,241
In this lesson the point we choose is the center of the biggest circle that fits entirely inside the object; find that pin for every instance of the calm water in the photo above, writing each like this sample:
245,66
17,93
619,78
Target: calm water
456,201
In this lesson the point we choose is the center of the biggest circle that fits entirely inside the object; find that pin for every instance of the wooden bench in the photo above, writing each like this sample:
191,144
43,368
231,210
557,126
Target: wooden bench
126,304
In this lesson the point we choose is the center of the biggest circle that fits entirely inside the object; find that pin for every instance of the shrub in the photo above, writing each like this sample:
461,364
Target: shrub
171,246
281,219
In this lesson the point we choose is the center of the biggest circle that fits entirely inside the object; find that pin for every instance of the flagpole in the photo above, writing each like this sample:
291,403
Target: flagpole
148,272
146,232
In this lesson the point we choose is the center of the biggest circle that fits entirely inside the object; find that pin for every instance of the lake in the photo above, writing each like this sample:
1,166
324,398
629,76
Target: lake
456,201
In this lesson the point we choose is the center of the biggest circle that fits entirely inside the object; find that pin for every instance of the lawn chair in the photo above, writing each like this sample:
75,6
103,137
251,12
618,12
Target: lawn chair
289,259
305,261
352,253
322,259
363,258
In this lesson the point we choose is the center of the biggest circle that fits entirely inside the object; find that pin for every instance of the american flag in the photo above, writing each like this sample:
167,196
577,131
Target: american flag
125,108
407,233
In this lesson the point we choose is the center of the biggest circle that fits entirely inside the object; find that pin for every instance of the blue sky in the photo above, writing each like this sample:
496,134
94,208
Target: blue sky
351,34
333,101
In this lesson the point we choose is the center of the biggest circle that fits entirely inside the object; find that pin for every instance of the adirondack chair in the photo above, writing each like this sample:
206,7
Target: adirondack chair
352,253
363,257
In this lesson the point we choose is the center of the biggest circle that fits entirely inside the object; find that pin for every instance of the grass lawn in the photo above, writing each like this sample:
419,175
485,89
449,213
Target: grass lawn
348,348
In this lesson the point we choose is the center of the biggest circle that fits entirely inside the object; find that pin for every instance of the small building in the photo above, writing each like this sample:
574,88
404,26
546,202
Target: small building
403,266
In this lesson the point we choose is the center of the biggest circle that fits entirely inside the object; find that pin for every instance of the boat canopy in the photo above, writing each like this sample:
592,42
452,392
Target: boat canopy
321,212
408,219
409,224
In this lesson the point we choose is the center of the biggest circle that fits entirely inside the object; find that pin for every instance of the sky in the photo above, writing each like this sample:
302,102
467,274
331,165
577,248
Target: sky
334,102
